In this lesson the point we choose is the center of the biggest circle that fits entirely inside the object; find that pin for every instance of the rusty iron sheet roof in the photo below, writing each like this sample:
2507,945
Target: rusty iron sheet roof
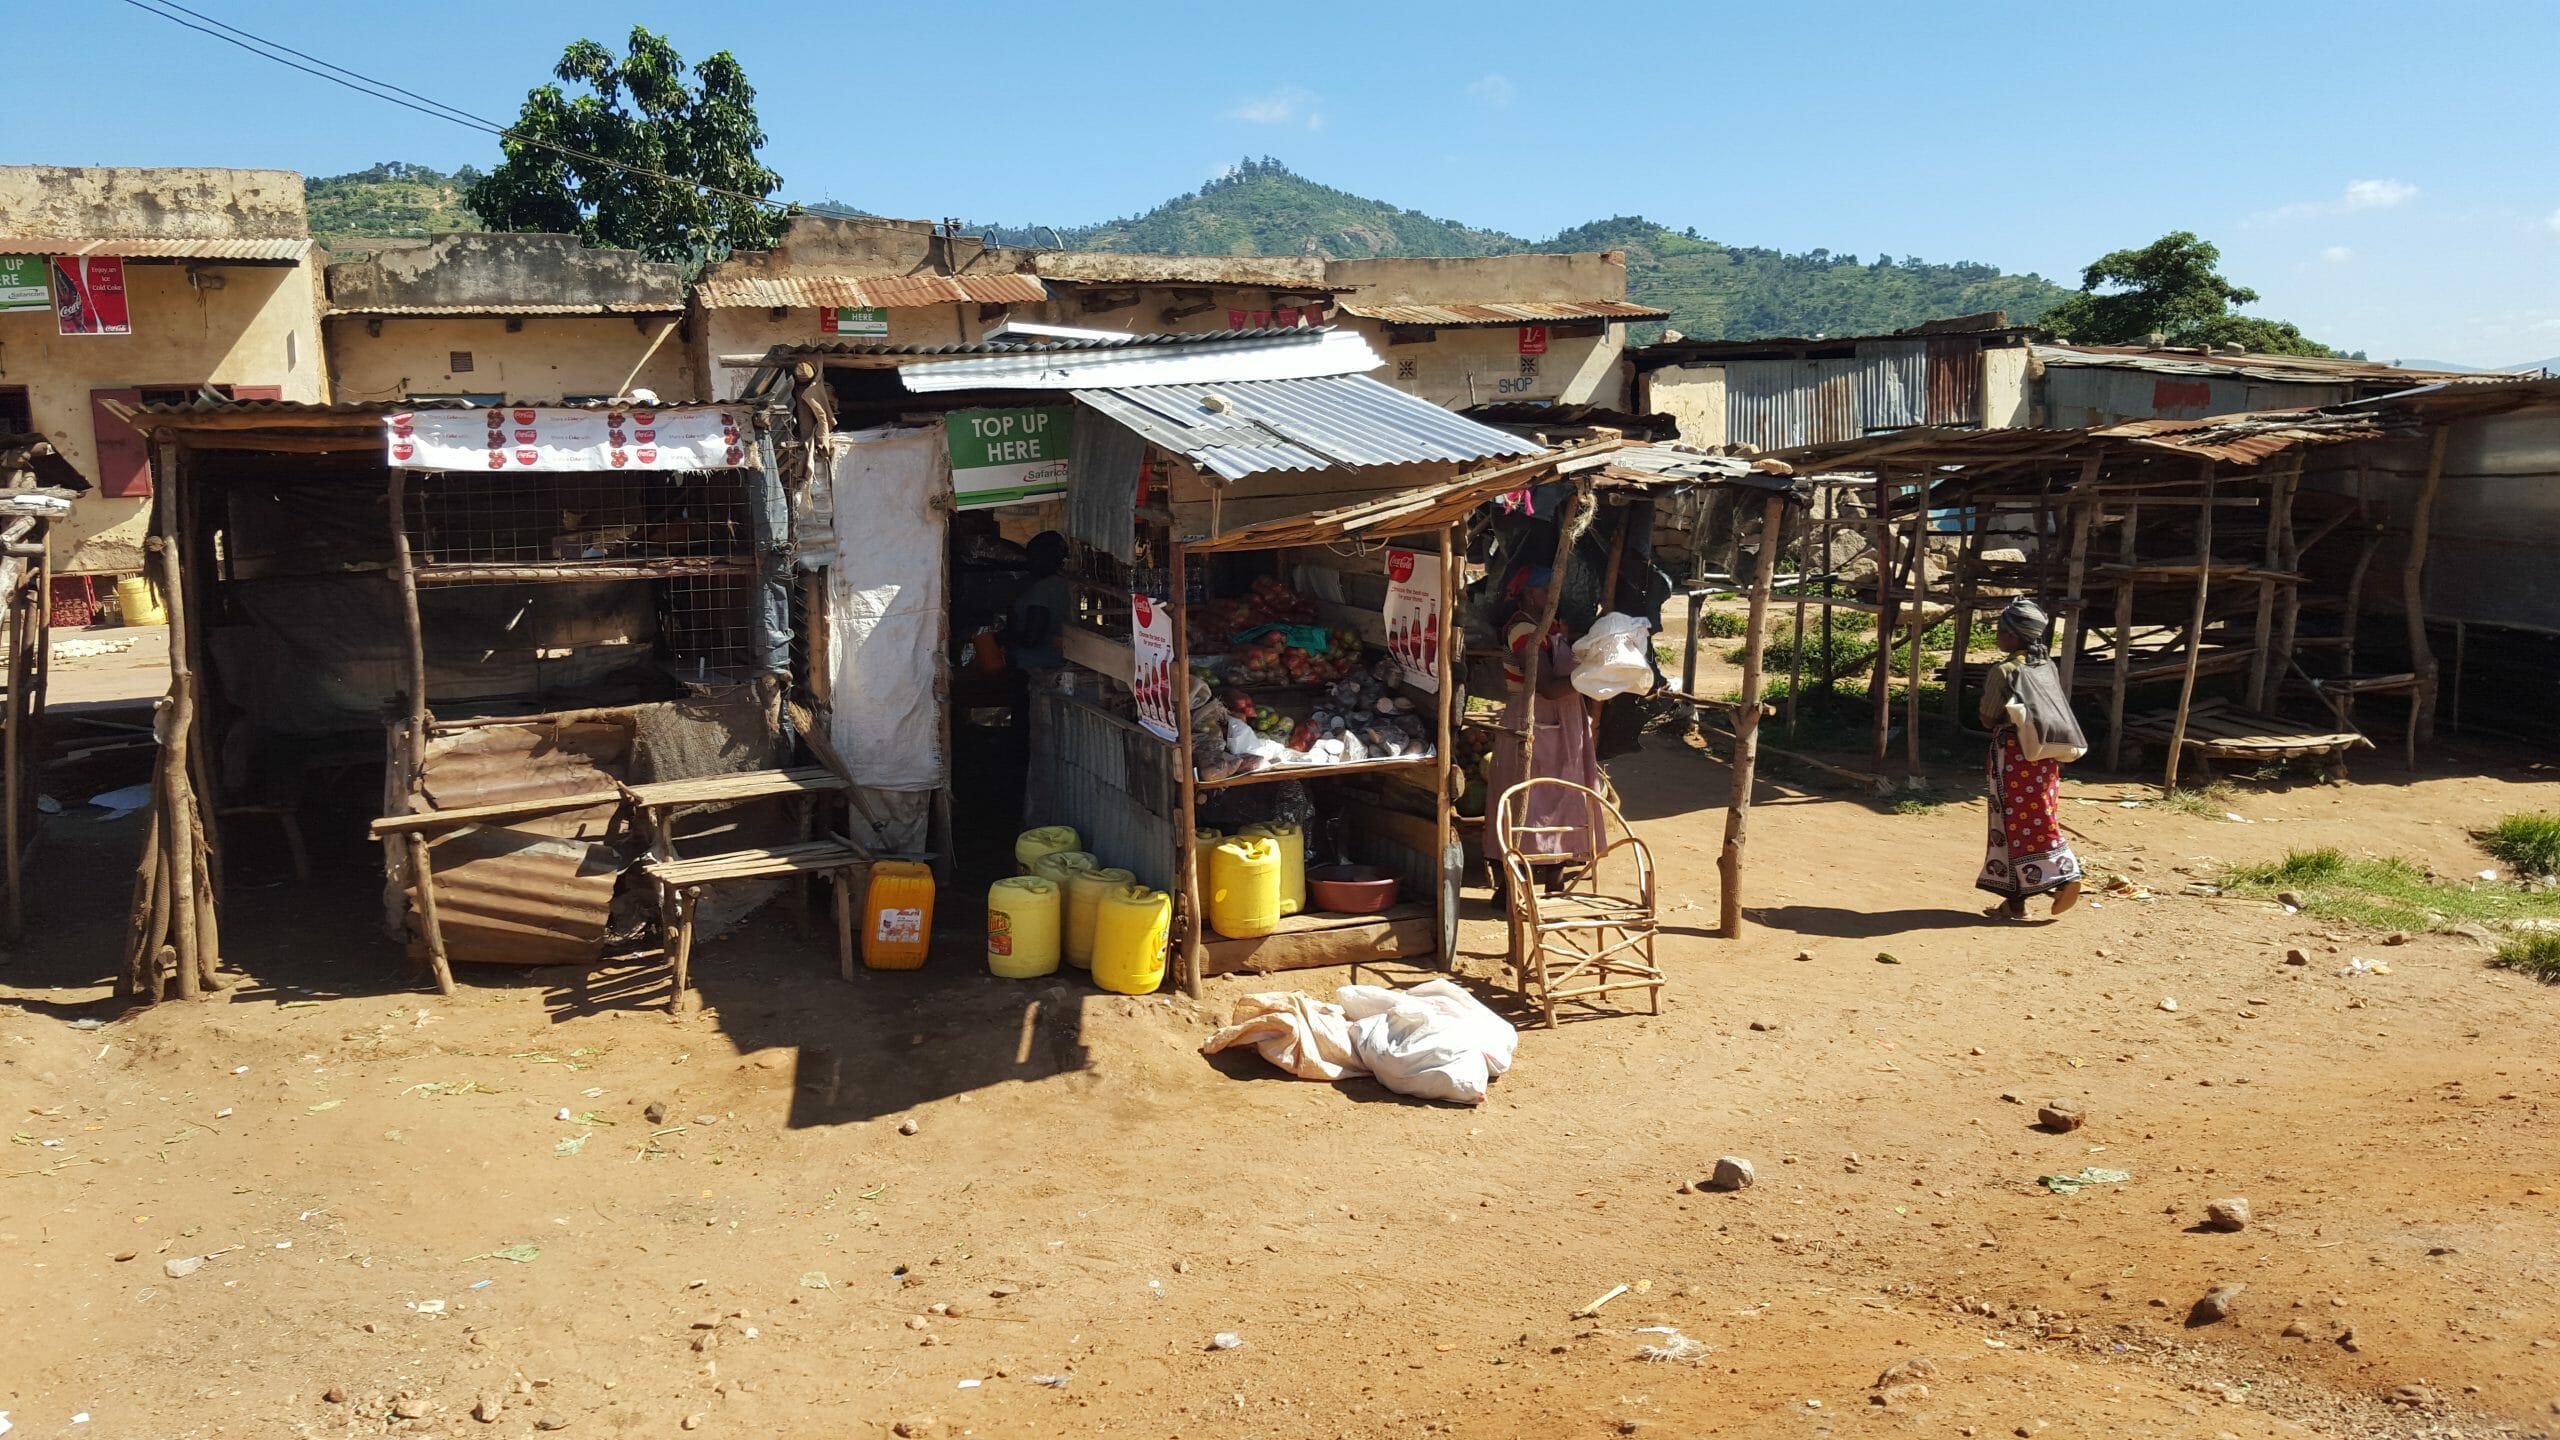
1315,423
1271,272
268,252
2280,369
536,891
1505,312
886,292
502,310
2248,439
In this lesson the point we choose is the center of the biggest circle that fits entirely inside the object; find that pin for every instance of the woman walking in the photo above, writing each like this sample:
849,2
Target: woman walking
2032,734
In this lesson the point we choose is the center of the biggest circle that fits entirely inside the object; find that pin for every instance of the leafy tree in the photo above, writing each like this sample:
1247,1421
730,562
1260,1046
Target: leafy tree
693,187
2172,288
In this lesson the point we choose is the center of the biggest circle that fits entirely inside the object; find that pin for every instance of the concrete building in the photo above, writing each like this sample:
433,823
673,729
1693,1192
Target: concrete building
219,292
2084,386
855,280
1772,394
1492,330
521,317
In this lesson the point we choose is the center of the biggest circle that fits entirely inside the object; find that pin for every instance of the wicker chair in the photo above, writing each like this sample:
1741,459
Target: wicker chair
1582,925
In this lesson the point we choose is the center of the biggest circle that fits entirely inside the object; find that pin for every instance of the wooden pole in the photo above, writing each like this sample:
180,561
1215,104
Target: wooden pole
422,877
1452,644
22,641
1918,628
178,863
1191,951
1880,681
1746,731
1795,652
2262,634
1967,599
2116,685
2084,505
1830,537
2195,631
2289,615
2413,593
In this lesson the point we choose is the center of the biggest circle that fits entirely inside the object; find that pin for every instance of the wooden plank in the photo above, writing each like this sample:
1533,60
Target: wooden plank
1390,937
742,785
1098,653
2413,591
425,821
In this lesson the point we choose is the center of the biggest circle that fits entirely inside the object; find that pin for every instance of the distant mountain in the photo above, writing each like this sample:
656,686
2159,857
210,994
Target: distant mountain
1713,291
391,199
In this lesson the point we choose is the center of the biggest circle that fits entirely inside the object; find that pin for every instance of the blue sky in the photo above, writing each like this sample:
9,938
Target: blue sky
2387,175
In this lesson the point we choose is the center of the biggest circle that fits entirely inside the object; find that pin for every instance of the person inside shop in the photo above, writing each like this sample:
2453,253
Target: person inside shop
1546,733
1040,608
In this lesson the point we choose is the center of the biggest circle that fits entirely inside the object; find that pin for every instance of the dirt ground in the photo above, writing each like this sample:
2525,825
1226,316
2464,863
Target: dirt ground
396,1221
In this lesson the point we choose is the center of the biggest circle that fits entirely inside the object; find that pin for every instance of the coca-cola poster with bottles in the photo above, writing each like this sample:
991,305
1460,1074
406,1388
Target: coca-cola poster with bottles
1153,682
1416,628
554,438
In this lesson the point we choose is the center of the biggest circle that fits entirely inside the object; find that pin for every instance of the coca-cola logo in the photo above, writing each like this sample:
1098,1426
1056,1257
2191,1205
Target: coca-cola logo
528,456
1146,611
644,417
402,418
524,417
648,455
401,426
527,437
402,450
1399,565
644,436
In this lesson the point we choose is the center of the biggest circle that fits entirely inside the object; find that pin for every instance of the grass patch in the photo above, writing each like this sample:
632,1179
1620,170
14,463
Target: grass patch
2536,955
2213,802
1722,624
2389,894
2528,844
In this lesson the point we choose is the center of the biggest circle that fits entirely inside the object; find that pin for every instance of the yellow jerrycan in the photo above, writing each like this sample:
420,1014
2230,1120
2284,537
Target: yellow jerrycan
1204,843
1293,863
1059,866
1032,844
1085,889
897,915
1244,887
1022,927
1129,931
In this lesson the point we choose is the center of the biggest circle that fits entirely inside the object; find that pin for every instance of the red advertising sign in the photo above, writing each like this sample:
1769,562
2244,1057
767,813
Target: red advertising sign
88,295
1153,684
1533,339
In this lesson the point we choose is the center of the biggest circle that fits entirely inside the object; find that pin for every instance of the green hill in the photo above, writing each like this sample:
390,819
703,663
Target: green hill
1713,291
393,198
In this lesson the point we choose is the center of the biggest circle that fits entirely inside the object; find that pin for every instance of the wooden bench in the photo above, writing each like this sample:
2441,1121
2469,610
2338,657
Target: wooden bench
680,880
2221,730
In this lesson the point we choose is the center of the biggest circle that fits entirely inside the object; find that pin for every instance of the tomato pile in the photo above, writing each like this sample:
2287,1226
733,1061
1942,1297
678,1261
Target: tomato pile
1270,659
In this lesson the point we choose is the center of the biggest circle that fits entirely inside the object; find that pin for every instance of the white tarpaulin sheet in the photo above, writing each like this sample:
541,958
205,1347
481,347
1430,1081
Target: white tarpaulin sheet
884,604
546,438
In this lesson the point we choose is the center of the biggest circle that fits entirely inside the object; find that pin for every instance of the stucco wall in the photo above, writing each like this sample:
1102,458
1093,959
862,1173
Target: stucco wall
1459,368
1066,307
1690,394
2006,398
548,360
1475,280
167,202
260,328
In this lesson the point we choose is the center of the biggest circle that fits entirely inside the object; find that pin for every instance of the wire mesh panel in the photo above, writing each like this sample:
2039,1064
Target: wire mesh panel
671,521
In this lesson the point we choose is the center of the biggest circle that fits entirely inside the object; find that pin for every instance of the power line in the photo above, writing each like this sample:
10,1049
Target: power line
433,109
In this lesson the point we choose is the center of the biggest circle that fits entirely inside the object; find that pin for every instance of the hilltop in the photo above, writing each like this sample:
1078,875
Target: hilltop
392,198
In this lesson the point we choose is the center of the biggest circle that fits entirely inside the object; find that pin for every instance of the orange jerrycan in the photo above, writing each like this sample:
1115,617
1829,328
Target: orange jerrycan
897,915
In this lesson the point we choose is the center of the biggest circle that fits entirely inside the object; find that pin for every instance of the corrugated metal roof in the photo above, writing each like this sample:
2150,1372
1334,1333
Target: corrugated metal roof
1507,312
1042,346
1281,355
1318,423
158,247
2295,369
500,310
888,292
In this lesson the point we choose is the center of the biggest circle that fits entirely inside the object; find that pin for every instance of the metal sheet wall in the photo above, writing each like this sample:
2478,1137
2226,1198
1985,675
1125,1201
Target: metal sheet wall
1102,484
2497,519
1955,382
1110,780
1777,403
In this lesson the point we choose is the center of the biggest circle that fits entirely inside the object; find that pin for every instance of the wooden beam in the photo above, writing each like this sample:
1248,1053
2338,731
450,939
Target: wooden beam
1746,727
2413,590
1450,861
2125,542
1189,952
2195,634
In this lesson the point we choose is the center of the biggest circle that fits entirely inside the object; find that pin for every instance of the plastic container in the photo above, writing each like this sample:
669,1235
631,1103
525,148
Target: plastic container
1244,887
1032,844
1022,927
1350,889
1129,931
897,915
1085,889
1059,866
139,599
1204,843
1293,863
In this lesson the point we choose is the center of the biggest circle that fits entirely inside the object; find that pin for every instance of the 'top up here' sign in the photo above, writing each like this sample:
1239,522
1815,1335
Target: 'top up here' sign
1009,457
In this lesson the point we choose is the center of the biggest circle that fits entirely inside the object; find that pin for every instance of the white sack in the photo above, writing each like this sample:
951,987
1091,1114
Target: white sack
1435,1040
1612,657
1299,1033
884,604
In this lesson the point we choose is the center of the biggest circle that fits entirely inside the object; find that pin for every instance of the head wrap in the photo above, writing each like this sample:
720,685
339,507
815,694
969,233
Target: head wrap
2024,624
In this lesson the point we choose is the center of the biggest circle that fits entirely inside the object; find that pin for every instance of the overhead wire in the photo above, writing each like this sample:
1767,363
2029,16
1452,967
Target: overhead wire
364,84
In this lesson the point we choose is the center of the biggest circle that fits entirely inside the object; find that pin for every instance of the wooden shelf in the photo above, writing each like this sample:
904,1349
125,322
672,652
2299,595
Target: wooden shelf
1270,773
669,567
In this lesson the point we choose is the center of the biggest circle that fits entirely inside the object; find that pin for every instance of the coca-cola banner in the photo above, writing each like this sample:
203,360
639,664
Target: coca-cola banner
1416,630
1153,684
527,437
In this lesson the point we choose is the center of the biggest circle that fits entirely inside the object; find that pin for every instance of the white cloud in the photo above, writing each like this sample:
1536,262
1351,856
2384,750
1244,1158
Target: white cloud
2379,194
1495,90
2337,254
1289,106
2551,222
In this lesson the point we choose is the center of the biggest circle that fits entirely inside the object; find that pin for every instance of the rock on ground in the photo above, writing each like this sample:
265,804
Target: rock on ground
1732,1173
2060,1116
2229,1215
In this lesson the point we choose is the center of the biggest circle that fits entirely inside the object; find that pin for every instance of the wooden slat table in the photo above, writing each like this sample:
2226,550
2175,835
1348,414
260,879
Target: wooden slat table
2221,730
680,879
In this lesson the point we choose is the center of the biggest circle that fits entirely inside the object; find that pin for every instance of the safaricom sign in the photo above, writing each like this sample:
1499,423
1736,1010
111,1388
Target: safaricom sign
1009,457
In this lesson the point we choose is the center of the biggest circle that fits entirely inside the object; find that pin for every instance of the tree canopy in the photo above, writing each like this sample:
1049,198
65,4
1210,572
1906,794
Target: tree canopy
674,172
2173,288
